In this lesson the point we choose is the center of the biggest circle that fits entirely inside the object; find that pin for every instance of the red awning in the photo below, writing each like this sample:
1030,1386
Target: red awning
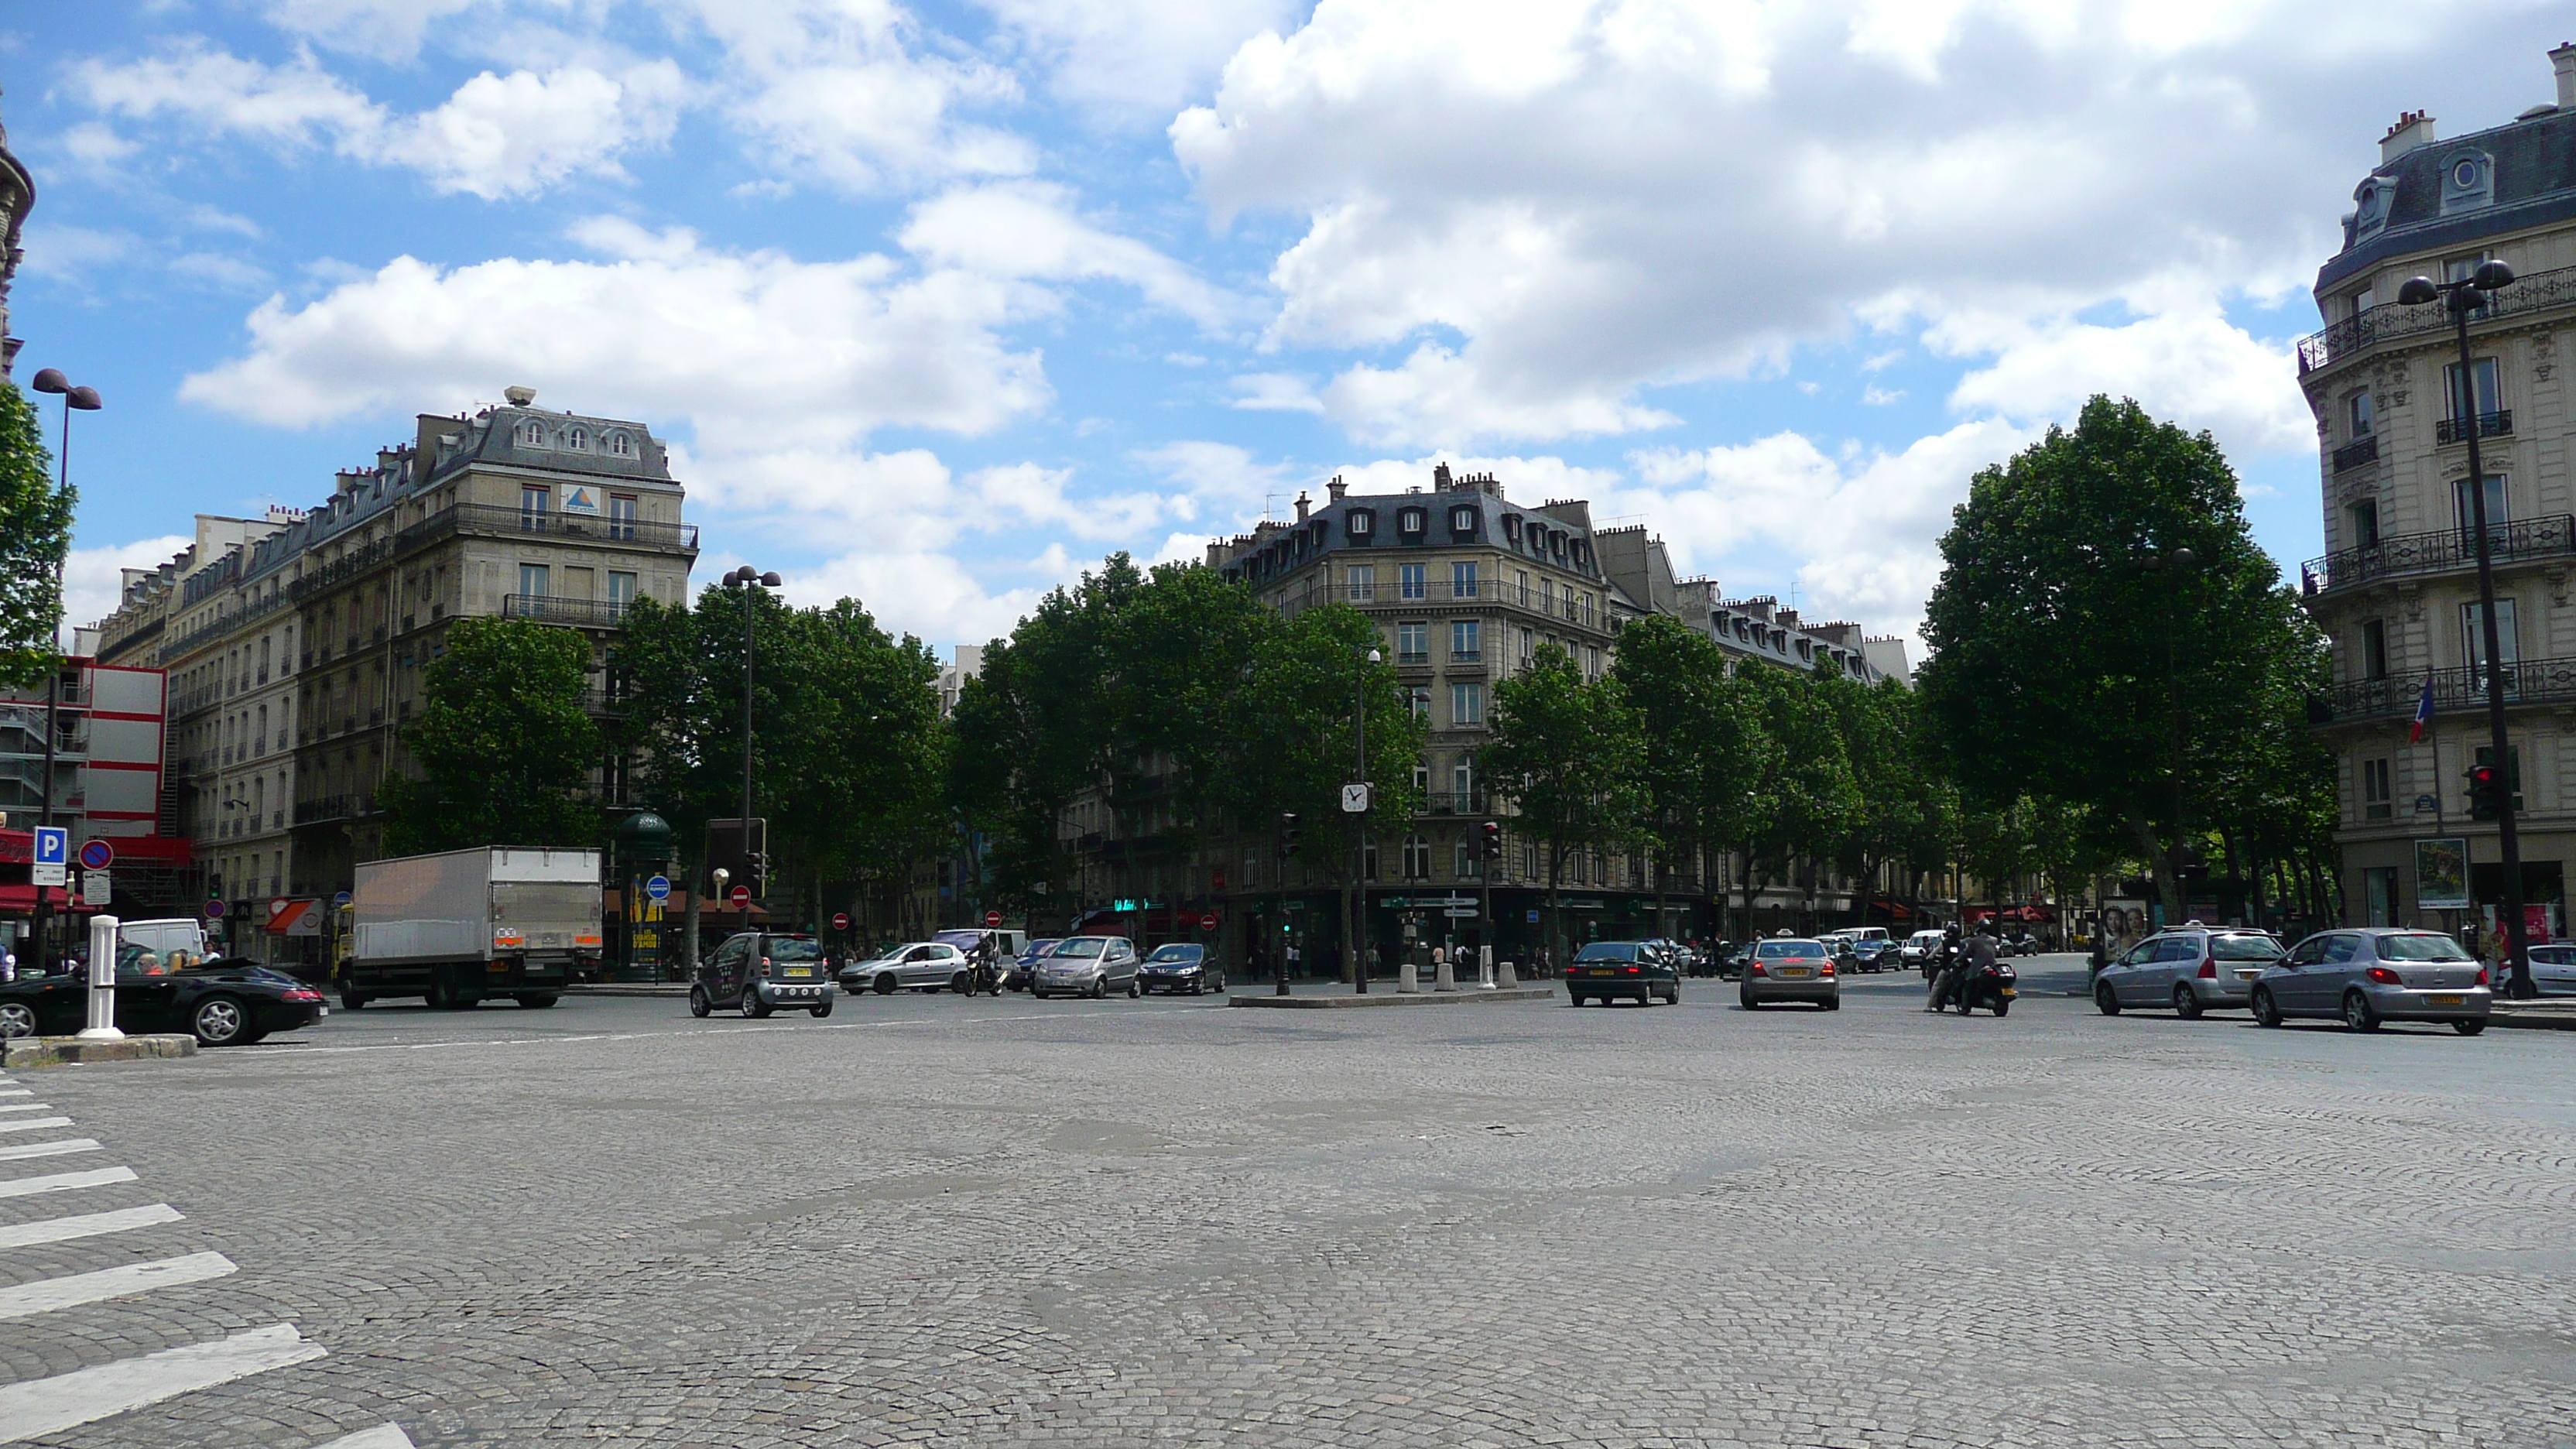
21,900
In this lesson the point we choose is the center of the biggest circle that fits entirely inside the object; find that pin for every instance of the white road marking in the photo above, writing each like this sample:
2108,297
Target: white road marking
28,1106
19,1092
383,1436
49,1406
32,1123
87,1225
124,1281
63,1148
1033,1018
65,1181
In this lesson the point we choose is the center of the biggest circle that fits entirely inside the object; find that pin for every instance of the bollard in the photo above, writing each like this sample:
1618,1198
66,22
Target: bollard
1408,977
1444,977
1505,979
1484,968
102,981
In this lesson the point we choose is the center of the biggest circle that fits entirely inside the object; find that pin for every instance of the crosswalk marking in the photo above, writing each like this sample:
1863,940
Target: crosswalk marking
51,1405
33,1123
28,1107
47,1149
65,1181
87,1225
17,1092
383,1436
123,1281
63,1148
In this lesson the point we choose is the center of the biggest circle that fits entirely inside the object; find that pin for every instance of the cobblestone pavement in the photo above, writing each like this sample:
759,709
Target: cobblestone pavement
929,1221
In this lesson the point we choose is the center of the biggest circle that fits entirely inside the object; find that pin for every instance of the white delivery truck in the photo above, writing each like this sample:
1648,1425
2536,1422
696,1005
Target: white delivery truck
456,927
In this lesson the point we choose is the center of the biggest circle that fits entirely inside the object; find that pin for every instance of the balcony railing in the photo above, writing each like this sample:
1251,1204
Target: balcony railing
1566,606
326,808
2390,320
2490,425
1454,802
488,518
2529,681
2364,449
581,613
2426,553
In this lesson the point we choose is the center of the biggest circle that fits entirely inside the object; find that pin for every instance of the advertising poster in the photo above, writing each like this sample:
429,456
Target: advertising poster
2442,874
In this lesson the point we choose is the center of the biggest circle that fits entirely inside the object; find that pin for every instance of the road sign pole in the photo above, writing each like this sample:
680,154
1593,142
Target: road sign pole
102,981
45,814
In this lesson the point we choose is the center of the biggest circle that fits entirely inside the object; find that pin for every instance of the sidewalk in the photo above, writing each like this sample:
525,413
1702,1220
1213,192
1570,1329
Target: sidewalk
2556,1013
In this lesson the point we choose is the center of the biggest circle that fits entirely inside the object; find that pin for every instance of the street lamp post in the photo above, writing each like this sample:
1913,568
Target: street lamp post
1357,943
749,578
75,399
2466,295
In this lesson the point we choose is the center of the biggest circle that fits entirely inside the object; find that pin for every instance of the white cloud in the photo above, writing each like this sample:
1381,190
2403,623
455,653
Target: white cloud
2193,368
94,580
1133,59
756,350
1029,229
931,595
1558,211
497,136
1276,392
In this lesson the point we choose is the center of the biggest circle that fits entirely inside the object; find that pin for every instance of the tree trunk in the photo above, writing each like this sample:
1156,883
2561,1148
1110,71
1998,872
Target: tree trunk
2161,861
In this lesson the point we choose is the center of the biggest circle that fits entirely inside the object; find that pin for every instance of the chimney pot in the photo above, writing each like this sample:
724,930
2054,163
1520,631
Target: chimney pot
2564,59
1440,475
2413,129
1301,505
1337,488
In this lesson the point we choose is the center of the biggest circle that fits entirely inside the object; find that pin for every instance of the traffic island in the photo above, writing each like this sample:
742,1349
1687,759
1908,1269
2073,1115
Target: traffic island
59,1051
2557,1013
1327,998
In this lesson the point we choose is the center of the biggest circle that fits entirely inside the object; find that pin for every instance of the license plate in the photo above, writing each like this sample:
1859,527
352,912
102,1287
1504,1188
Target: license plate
799,971
2450,1001
2249,975
2009,993
1794,971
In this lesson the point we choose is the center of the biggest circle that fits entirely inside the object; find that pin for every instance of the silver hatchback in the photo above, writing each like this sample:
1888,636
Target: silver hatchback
2376,974
1087,966
2191,969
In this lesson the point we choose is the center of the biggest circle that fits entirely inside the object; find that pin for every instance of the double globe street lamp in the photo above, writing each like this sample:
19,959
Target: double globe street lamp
752,581
75,400
2463,296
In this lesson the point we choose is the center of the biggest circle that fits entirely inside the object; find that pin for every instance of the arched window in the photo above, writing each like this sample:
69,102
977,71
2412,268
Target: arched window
1417,858
532,434
620,446
576,439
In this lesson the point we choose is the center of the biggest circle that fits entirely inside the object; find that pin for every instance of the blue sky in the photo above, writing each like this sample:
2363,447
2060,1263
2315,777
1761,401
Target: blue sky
941,303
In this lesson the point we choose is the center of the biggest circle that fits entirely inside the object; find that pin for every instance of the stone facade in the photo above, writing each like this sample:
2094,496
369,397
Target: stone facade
17,194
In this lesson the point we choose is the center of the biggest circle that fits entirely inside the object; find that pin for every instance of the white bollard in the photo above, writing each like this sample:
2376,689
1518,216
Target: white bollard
1408,977
1444,977
1504,978
1484,968
102,981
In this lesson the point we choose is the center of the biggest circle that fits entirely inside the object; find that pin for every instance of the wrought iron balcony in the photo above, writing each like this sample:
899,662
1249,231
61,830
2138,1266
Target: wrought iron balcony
2463,690
581,613
2490,425
2356,335
1454,802
2431,553
2364,449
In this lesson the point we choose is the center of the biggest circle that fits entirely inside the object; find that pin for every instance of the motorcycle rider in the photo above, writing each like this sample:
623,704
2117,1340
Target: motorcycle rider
1976,958
1943,968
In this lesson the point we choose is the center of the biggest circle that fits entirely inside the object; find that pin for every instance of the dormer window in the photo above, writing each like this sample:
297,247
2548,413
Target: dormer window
577,440
1362,522
1556,545
531,435
2468,181
1411,521
1462,522
1320,529
1512,528
620,446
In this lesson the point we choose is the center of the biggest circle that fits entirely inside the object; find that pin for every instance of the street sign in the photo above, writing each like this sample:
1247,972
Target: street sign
53,856
992,919
1532,917
340,899
1462,912
659,887
1355,799
1208,922
97,855
94,887
214,910
741,896
1295,905
841,921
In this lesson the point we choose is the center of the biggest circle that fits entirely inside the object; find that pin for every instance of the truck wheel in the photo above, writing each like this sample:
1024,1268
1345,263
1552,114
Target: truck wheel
352,1000
536,1000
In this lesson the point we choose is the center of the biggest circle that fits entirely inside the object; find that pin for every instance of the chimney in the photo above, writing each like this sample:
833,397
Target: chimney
2413,129
2564,58
1301,505
1337,488
1440,475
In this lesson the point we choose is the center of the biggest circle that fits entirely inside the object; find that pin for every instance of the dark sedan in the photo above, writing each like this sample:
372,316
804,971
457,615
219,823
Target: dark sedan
1178,967
1634,969
221,1003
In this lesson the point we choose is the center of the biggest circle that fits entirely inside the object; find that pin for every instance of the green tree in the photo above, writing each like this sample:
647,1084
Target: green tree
1707,765
35,534
1815,797
1571,756
2102,623
1891,798
502,744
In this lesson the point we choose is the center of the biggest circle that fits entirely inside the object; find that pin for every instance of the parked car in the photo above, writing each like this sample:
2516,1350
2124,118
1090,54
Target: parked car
1007,945
1637,969
759,972
2553,970
912,966
1016,974
1179,967
2376,974
2190,968
1791,969
224,1002
1087,966
1920,950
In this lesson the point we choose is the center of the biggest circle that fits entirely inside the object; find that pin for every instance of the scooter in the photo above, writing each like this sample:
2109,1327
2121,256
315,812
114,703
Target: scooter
1993,987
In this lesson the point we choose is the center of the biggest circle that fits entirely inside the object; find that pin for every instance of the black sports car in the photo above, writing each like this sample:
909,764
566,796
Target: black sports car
221,1003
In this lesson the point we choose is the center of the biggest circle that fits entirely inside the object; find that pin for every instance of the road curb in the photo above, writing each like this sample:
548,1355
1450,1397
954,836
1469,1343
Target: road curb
59,1051
2555,1016
661,990
1391,998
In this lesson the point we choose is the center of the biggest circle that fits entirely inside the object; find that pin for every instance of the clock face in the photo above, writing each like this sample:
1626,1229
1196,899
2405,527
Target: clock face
1355,798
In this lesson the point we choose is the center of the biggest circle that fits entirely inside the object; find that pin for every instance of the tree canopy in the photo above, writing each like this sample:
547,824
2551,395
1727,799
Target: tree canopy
35,535
502,742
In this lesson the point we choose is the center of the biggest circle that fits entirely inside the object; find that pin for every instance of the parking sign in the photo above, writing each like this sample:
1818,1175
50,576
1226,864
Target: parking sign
53,856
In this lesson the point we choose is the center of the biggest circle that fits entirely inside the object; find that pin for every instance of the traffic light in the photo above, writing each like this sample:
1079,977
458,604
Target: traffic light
2486,792
1289,835
1491,832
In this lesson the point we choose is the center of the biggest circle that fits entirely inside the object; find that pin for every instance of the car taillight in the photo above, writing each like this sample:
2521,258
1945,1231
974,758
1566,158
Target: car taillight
1755,969
2384,976
2482,977
304,994
2209,969
1828,969
1633,970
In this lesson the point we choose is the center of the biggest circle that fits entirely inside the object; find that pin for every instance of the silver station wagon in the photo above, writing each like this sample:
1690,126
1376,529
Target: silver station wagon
2190,968
2376,974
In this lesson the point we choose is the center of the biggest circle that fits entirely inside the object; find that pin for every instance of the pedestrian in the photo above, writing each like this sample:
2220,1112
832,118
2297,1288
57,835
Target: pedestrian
1295,960
1372,959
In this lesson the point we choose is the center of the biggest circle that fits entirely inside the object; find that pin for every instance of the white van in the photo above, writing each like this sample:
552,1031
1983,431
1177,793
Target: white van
178,942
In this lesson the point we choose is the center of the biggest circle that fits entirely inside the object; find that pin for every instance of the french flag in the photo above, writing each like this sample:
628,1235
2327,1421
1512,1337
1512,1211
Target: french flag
2423,713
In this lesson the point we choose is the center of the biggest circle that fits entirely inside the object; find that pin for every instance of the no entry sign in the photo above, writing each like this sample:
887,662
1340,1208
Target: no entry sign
841,921
992,919
741,895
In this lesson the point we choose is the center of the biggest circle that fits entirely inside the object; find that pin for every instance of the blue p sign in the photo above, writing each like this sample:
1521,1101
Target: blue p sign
53,845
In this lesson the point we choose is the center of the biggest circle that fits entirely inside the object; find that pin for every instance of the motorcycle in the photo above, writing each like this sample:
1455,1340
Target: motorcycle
1993,988
980,976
